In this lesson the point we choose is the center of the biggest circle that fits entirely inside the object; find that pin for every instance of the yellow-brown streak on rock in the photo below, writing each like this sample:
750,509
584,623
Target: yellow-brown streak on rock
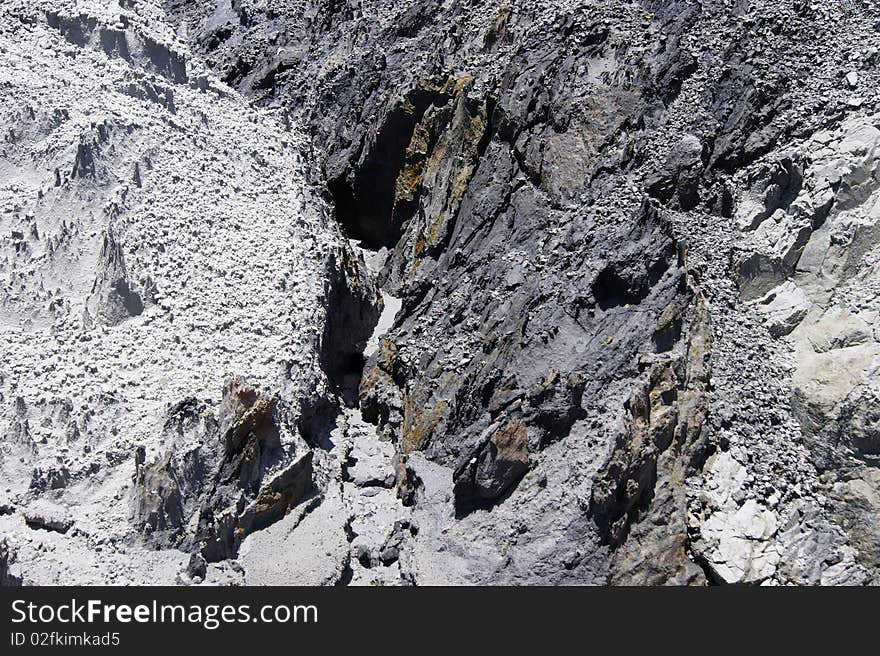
440,161
511,442
419,425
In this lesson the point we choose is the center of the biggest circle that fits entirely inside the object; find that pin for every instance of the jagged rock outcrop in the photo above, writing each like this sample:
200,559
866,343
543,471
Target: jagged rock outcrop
640,500
166,491
501,165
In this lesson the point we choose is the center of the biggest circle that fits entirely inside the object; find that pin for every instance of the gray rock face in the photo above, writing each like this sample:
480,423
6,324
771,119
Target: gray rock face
634,249
501,164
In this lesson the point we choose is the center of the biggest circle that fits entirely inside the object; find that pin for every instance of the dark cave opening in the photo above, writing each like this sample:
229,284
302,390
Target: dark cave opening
365,197
611,290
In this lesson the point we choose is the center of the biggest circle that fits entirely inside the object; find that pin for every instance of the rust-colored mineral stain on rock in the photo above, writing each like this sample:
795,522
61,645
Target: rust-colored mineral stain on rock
510,442
419,424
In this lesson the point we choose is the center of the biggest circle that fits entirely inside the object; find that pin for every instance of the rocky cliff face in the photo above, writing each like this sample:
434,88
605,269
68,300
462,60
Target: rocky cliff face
617,264
173,296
